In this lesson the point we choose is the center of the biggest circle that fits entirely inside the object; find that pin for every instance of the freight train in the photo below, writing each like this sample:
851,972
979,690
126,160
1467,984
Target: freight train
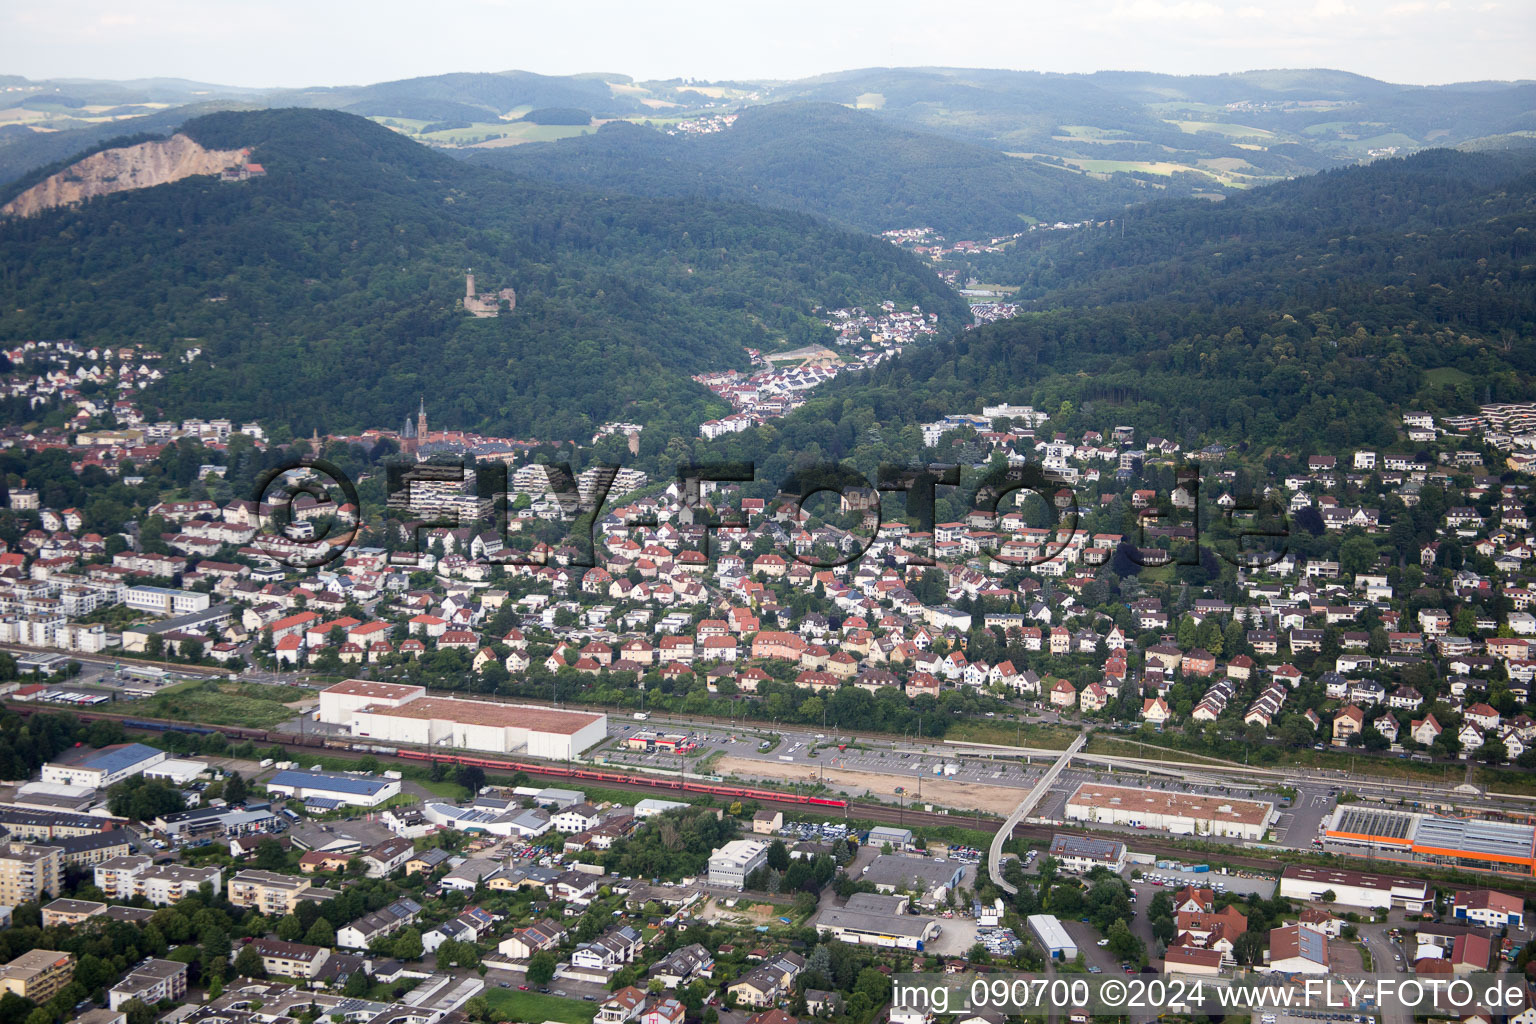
489,764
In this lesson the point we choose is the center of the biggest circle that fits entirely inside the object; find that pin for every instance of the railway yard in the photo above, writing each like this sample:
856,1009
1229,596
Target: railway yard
892,780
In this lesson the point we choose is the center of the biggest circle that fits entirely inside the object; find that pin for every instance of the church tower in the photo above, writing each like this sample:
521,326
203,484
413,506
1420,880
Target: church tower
421,421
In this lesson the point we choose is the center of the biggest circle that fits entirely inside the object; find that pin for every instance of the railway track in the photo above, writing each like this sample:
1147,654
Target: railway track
659,786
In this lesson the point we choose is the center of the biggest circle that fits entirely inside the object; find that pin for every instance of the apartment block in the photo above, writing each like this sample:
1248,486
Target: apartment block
27,871
38,974
150,982
272,893
161,884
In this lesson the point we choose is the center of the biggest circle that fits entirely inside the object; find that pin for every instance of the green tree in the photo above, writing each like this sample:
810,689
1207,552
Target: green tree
248,963
541,967
321,933
407,945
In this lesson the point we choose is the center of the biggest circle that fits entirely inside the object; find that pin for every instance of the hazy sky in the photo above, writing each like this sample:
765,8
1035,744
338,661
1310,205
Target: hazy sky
336,42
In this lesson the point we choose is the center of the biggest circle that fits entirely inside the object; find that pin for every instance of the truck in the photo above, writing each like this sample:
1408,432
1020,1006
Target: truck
266,762
641,716
951,769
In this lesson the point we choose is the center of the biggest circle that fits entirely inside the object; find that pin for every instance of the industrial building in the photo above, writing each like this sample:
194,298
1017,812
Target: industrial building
932,878
1175,813
1298,949
340,702
1489,909
732,863
1354,888
871,919
1081,854
327,791
899,838
108,766
393,713
178,771
1399,835
1058,945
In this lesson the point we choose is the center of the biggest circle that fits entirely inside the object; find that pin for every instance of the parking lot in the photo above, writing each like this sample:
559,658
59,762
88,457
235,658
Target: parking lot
814,749
1154,879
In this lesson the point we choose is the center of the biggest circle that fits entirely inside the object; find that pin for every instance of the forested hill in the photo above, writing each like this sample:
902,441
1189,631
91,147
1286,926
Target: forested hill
848,165
1445,233
327,293
1305,318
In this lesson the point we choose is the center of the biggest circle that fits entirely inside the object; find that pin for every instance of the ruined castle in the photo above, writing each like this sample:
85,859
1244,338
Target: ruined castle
486,303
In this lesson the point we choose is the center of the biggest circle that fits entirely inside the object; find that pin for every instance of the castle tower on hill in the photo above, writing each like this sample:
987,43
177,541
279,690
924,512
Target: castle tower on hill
486,304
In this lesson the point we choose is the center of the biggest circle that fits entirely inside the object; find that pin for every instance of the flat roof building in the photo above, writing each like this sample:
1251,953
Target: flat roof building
1354,888
899,838
38,974
124,878
1406,836
870,919
340,702
1176,813
931,878
28,871
176,770
269,892
108,766
551,733
732,863
353,790
151,981
71,911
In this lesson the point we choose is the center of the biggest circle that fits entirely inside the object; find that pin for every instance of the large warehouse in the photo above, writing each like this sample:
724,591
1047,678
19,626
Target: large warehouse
1398,835
1178,813
108,766
338,703
327,791
393,713
1354,888
871,919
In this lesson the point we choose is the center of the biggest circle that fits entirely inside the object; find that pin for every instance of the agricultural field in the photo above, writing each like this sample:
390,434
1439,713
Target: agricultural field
484,133
1235,131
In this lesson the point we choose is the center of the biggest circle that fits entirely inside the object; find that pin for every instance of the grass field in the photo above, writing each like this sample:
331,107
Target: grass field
975,730
498,132
215,702
513,1005
1235,131
1089,132
1328,760
1142,166
1445,375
